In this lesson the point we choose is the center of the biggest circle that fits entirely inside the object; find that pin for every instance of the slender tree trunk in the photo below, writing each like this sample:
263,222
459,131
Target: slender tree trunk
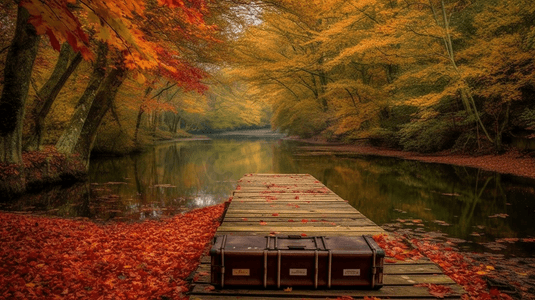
70,135
175,123
155,122
101,104
67,62
501,128
140,114
17,73
466,94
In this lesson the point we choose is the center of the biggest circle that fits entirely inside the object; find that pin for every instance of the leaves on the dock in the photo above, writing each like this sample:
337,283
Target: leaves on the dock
395,249
45,258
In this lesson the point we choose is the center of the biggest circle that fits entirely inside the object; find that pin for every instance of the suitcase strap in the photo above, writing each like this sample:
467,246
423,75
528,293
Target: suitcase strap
222,250
377,277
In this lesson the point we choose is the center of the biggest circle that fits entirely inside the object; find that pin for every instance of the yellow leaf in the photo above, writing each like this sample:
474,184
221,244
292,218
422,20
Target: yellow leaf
288,289
139,78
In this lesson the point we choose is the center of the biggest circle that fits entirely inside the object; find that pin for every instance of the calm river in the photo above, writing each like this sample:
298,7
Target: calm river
475,207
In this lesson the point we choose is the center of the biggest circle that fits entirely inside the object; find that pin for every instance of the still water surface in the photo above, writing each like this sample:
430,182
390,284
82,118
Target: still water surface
476,206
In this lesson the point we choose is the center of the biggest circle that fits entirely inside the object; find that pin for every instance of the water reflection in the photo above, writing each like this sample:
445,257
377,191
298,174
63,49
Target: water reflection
178,176
465,203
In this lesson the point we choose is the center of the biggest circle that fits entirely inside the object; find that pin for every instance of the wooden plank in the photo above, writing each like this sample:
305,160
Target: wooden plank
389,279
318,216
386,292
291,206
207,297
308,233
288,203
275,221
300,211
310,189
299,229
339,221
243,194
404,269
289,200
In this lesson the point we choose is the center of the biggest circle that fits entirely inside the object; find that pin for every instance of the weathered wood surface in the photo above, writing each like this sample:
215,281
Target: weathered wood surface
265,204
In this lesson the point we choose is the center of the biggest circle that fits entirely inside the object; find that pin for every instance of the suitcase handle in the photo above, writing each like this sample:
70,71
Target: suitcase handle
318,242
296,247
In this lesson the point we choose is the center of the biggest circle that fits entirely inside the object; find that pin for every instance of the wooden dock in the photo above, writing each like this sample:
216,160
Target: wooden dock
279,204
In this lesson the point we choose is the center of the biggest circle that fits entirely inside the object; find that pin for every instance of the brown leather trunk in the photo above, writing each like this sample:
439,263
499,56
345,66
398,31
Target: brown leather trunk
295,261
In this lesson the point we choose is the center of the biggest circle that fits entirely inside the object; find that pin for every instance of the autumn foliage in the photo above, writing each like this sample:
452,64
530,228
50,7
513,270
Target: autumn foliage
46,258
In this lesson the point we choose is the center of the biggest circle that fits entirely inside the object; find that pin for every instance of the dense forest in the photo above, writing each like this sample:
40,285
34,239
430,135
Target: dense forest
419,75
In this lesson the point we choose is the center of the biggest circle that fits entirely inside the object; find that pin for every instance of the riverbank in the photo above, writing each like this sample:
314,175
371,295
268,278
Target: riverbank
511,162
39,169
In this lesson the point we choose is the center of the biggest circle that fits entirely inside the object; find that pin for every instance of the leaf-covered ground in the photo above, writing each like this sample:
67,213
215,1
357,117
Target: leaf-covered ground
49,258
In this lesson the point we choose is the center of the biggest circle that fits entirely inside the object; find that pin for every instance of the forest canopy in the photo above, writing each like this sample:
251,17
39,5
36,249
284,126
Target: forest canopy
420,75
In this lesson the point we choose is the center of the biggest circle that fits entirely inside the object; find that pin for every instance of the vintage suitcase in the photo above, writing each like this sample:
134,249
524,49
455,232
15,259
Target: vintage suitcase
293,261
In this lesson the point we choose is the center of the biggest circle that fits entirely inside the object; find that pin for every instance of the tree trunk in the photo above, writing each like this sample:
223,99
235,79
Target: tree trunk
140,114
175,123
101,104
501,129
46,96
17,74
138,122
70,135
